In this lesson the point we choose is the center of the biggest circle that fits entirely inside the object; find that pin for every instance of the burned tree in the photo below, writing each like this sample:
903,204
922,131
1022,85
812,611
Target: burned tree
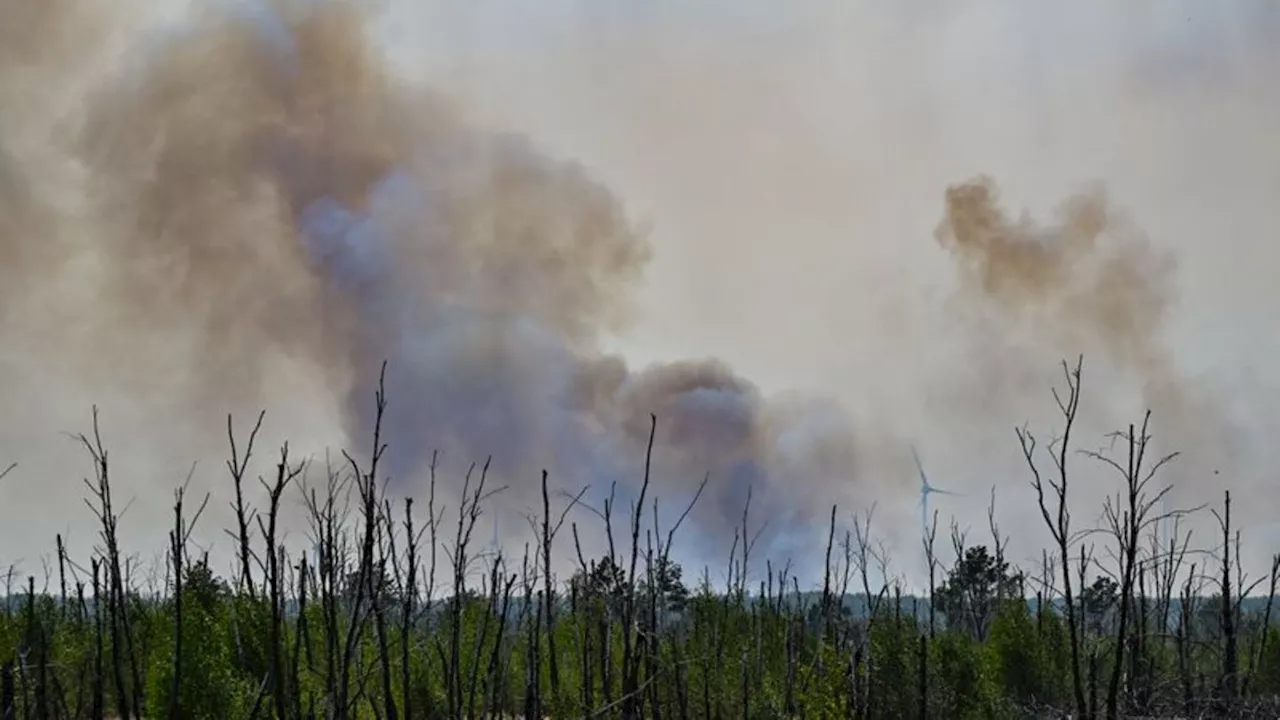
1056,512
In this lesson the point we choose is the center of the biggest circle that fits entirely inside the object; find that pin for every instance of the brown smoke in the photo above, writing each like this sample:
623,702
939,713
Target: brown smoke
196,207
260,189
1089,282
1065,278
206,149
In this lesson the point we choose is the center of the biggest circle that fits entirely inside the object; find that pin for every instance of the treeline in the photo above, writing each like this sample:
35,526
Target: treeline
1124,620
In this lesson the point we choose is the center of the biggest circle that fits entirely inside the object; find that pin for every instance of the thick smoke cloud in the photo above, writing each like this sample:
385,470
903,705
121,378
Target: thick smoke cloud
260,186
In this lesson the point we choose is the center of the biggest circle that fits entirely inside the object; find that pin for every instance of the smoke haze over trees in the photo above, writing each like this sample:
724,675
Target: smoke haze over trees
594,343
257,205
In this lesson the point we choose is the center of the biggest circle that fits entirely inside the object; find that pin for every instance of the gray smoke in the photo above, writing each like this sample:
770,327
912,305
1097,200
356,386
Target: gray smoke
261,186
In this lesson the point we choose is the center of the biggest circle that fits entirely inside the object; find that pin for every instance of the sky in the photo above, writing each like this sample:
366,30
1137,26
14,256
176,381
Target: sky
841,124
792,159
790,162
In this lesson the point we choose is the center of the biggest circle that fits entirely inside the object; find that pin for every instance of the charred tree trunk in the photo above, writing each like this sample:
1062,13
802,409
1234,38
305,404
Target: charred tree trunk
1230,651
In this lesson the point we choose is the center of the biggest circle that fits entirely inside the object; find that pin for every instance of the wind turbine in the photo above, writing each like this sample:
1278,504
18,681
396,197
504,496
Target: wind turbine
925,491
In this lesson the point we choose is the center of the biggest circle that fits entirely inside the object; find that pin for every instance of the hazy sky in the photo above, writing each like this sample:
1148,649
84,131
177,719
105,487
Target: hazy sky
790,159
813,141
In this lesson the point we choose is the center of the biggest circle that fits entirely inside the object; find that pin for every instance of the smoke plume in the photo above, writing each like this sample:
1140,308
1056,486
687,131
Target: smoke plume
260,186
1088,282
257,204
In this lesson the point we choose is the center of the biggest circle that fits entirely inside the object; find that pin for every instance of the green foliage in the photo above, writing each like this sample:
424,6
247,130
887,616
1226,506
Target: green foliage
1022,661
973,590
782,658
1098,602
964,684
210,684
893,653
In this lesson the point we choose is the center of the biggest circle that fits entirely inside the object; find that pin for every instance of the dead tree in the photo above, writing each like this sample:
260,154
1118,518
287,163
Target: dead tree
1000,542
409,598
1056,512
1233,590
301,638
864,555
62,577
326,516
664,555
367,492
238,465
1128,516
549,532
177,548
1230,659
1186,639
128,699
469,511
272,576
98,683
930,539
1260,641
378,592
631,699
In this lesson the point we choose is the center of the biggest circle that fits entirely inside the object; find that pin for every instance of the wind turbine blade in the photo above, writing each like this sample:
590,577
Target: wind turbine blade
919,466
